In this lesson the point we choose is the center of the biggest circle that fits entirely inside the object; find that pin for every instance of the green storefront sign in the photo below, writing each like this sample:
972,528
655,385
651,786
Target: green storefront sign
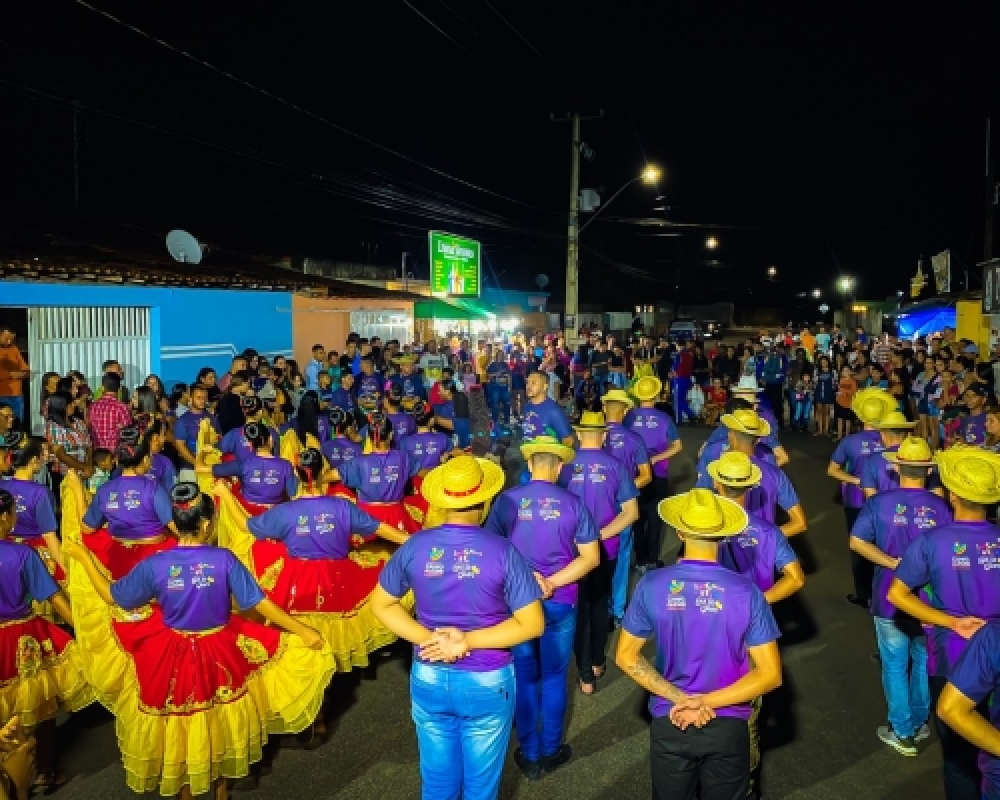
454,265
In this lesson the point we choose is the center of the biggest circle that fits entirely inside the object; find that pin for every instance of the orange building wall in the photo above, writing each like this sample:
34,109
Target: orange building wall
327,321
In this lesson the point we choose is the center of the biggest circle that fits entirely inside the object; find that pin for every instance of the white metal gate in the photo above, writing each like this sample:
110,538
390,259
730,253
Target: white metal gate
64,339
386,324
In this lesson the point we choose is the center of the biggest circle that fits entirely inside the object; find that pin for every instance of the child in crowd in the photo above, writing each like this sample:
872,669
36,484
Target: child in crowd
803,395
696,400
104,465
325,390
296,391
335,370
715,401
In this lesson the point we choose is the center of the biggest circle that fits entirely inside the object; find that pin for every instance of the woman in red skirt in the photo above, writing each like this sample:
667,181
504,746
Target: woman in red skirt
40,666
204,687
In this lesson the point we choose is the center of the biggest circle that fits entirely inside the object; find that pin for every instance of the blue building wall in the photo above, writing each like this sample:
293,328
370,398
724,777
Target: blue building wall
189,328
510,298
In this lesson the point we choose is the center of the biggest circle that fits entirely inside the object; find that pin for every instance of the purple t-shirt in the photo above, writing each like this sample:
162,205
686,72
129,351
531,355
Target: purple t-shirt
657,430
133,507
236,444
959,563
891,520
712,452
604,484
25,578
977,676
881,475
162,471
315,527
972,429
758,553
773,490
193,586
186,427
849,452
379,477
627,446
545,523
34,507
462,577
339,450
369,385
402,426
425,449
545,419
264,480
704,618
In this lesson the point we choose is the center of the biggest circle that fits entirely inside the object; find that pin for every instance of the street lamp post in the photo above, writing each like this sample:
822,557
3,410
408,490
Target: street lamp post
846,285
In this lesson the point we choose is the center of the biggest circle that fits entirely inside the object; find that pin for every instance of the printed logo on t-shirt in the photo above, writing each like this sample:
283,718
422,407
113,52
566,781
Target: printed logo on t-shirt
676,600
547,509
989,555
899,517
709,600
434,568
465,563
133,499
19,505
925,517
200,579
959,560
374,477
323,523
174,579
743,540
597,474
524,511
112,504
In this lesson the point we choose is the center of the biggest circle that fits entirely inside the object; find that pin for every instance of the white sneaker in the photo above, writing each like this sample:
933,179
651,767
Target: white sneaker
906,747
923,732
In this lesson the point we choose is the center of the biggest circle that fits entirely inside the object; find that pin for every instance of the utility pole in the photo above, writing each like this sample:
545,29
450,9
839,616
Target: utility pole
405,282
571,309
991,198
76,157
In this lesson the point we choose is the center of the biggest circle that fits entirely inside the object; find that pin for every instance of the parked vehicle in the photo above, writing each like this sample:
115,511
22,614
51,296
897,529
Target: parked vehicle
684,330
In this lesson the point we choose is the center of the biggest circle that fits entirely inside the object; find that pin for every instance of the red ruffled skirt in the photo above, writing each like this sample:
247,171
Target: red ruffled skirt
39,546
253,509
118,556
392,514
301,586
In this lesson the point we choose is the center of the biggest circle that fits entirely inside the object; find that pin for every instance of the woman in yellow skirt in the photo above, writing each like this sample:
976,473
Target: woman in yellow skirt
203,687
39,663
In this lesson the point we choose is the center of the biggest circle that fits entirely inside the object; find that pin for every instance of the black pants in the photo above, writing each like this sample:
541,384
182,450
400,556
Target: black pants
862,569
716,758
961,768
648,527
592,614
776,394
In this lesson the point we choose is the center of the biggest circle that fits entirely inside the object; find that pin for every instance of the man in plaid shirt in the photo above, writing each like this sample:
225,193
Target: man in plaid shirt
108,414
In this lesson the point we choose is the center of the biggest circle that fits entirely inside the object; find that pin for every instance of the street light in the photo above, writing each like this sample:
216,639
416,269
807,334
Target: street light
817,293
845,284
711,243
772,271
649,175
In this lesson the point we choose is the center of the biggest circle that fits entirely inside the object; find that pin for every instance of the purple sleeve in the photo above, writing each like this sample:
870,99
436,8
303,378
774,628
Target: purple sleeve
169,477
269,525
586,528
350,474
519,587
914,570
394,579
565,475
783,553
672,435
864,526
162,506
94,517
626,487
228,469
636,620
41,585
410,465
868,471
641,452
135,589
45,515
975,675
772,441
560,424
291,482
242,585
499,519
840,454
763,628
787,498
362,522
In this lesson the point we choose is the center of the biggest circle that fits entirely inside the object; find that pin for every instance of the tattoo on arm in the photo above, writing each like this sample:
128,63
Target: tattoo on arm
643,673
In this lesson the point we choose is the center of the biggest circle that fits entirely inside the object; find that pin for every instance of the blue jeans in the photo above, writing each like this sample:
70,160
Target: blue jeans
906,687
681,388
617,379
17,406
463,722
463,430
803,411
619,583
540,668
498,398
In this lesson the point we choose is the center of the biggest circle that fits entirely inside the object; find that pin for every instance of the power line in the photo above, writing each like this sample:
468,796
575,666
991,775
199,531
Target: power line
311,114
430,22
516,31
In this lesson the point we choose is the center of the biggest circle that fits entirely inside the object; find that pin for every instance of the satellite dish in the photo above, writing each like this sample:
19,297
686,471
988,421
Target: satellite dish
824,308
541,281
184,247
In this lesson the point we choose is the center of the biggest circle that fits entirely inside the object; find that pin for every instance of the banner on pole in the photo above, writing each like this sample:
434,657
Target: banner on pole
941,264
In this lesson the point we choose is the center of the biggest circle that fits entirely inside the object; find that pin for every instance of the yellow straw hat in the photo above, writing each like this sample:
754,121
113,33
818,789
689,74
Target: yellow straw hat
462,482
547,444
405,358
894,421
617,396
647,388
703,514
912,452
971,473
745,420
591,421
872,404
735,469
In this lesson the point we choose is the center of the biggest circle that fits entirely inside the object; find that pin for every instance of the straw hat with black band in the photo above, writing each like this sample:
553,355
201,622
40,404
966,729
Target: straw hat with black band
735,470
463,482
747,421
702,514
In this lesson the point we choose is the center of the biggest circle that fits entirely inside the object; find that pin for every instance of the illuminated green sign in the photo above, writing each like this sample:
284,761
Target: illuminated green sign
454,265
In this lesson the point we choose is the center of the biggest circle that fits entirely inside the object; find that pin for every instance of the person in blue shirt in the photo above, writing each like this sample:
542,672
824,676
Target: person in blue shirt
407,383
772,370
325,390
344,396
448,418
498,388
542,415
315,367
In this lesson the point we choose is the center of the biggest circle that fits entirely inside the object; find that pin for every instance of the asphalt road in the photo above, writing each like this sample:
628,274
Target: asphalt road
820,734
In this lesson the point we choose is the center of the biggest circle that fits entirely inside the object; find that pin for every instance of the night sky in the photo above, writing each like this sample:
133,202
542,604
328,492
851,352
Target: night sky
823,139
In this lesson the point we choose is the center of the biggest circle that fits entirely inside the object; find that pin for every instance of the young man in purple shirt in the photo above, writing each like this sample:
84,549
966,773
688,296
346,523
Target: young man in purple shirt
554,531
775,489
870,405
716,652
878,473
542,415
888,523
606,487
476,597
629,448
958,562
972,429
968,703
186,428
658,431
745,395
